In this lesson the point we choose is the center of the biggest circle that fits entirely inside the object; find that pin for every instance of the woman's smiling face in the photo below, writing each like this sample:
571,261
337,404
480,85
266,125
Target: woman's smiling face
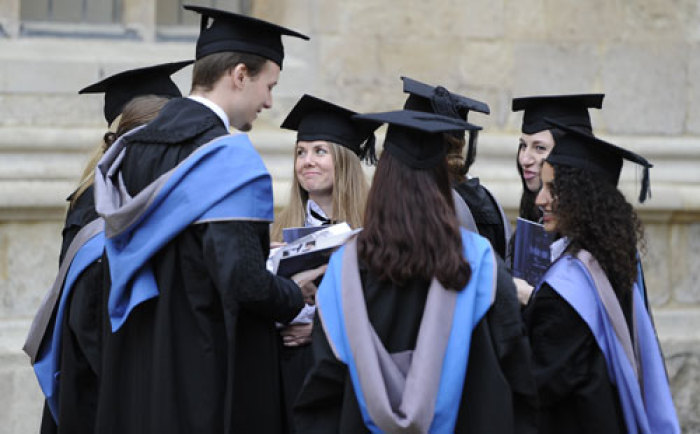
314,167
532,151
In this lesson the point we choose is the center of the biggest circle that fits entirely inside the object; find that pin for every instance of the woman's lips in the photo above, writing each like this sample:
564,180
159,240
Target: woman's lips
527,174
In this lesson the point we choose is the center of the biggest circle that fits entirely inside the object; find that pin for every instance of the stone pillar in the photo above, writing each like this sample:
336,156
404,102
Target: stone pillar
9,18
140,16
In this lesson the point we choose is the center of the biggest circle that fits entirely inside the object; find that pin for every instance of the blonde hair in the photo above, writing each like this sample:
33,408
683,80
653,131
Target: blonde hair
138,111
350,189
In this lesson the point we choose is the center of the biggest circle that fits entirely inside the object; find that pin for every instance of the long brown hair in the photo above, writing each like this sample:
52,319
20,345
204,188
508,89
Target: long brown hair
410,230
138,111
349,194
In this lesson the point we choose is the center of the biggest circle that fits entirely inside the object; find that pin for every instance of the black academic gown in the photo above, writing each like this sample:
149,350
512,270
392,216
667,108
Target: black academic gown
81,335
486,215
576,394
295,363
202,357
499,393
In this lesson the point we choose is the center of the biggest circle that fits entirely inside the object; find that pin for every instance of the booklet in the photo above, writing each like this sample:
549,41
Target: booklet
310,251
290,235
531,256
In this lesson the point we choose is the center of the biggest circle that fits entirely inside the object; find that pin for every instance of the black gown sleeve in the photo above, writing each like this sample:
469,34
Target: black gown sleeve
81,353
485,212
235,253
570,370
499,395
318,405
513,350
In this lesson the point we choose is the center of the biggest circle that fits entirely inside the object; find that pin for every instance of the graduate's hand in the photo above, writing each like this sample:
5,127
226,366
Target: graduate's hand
276,244
305,282
524,290
296,334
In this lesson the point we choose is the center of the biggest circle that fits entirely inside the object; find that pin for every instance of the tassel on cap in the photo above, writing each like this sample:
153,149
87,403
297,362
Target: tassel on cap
645,193
471,151
368,153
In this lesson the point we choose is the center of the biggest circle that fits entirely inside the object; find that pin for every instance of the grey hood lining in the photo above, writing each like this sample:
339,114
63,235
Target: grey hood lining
400,391
112,200
612,307
43,316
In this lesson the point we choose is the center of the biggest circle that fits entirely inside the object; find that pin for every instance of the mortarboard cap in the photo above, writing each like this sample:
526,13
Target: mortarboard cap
577,148
571,110
315,119
121,88
438,100
425,98
235,32
415,137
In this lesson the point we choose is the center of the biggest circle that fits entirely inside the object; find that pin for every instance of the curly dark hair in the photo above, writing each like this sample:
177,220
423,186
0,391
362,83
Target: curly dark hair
595,216
410,228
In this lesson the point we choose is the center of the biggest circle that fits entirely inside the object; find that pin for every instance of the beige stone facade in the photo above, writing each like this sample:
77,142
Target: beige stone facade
644,55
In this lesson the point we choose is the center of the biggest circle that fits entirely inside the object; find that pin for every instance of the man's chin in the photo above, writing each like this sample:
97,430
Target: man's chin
245,127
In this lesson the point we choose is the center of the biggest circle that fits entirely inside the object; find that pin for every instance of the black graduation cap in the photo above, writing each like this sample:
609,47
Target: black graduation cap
121,88
415,137
578,148
235,32
571,110
425,98
315,119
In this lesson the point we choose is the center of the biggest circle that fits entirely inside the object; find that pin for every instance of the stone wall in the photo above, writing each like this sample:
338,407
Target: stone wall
643,55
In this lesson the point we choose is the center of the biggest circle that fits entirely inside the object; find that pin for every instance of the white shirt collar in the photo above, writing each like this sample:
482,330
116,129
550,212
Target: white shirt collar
213,107
557,248
310,219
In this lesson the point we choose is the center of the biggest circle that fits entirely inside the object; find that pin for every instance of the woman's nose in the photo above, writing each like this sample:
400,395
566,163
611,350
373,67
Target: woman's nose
527,157
308,159
542,198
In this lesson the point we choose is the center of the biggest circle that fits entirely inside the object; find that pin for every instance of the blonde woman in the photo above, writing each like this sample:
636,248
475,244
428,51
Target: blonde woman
329,186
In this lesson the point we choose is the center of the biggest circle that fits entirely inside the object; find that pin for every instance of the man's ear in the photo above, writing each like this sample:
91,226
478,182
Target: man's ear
238,75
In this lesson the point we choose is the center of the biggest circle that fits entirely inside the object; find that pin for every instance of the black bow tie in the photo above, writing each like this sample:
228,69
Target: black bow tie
319,217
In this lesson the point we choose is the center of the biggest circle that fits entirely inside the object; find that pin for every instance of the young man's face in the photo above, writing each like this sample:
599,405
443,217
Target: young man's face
256,95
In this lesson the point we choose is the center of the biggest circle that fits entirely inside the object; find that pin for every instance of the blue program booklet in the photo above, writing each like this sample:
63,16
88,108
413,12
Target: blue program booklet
290,235
531,256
